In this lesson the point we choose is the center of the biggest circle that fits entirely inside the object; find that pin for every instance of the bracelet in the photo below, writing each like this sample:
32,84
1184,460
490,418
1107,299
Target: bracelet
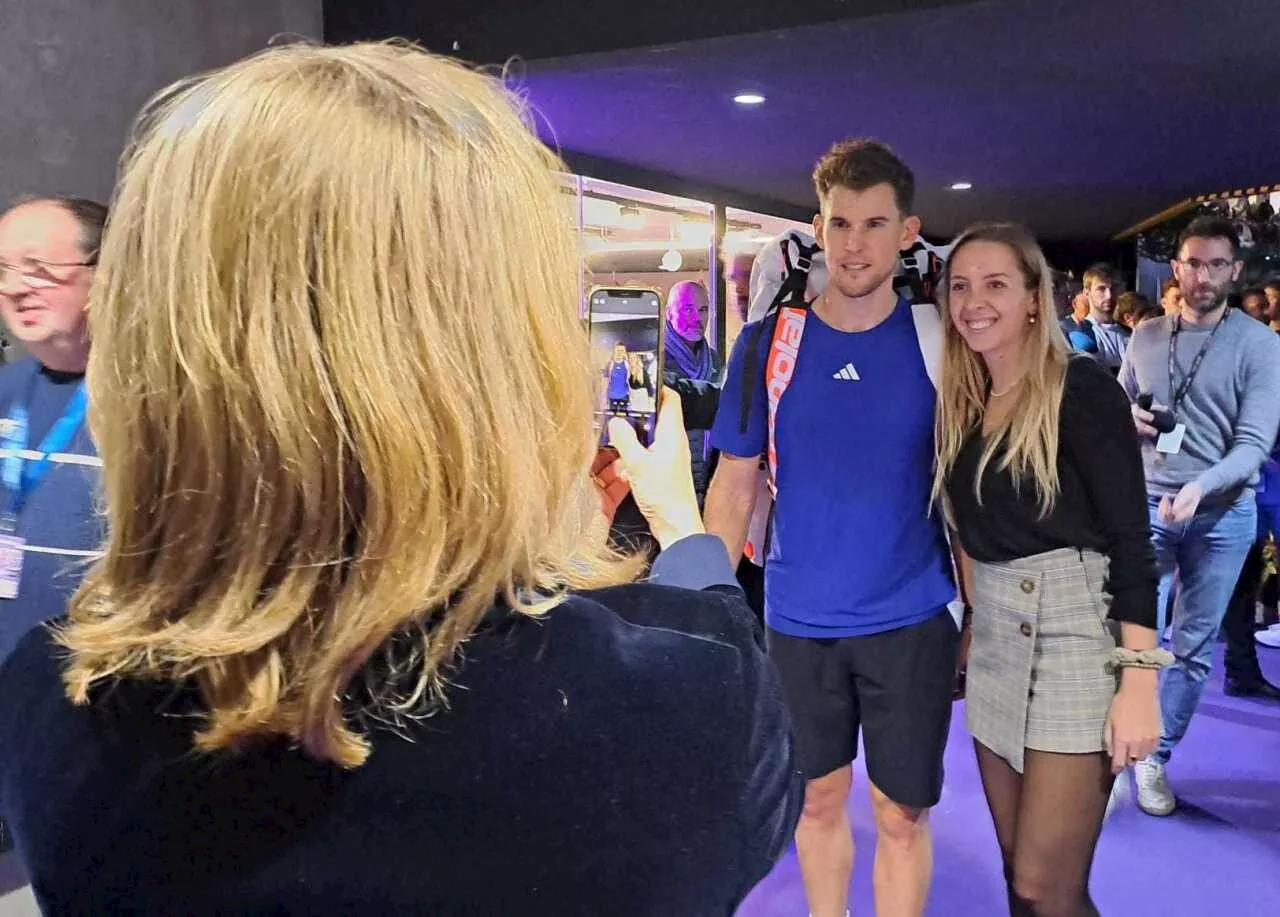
1123,658
967,618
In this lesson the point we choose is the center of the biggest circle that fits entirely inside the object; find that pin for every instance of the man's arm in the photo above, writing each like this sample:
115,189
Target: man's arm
1254,432
730,500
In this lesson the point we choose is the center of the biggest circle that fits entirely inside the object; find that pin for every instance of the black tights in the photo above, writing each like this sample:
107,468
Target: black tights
1047,820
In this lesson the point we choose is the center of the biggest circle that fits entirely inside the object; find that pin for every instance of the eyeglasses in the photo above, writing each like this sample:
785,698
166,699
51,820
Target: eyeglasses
1216,266
37,274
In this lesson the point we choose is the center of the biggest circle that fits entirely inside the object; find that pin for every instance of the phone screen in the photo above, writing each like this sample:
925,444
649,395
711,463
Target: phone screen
627,340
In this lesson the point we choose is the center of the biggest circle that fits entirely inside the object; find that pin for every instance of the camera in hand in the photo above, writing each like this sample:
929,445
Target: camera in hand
1162,420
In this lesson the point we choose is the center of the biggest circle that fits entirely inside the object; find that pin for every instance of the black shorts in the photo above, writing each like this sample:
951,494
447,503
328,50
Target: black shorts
897,685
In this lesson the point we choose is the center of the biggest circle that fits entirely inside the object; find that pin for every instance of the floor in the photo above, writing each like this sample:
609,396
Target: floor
1219,854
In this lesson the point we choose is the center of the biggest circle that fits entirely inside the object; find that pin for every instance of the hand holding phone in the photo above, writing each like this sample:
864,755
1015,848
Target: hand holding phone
628,342
659,475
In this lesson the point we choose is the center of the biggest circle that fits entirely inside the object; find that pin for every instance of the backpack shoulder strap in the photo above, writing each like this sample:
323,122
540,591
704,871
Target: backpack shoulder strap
929,336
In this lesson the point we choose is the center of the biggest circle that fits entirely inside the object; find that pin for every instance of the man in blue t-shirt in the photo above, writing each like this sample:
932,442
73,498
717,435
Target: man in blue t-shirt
858,575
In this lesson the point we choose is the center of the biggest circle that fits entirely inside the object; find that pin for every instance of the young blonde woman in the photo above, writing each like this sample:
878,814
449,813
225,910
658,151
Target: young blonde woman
356,645
1041,475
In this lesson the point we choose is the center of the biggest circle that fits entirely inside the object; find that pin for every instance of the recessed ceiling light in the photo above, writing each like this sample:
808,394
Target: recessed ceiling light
749,98
962,186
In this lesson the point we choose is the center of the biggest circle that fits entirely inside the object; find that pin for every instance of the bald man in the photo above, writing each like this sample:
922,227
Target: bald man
690,359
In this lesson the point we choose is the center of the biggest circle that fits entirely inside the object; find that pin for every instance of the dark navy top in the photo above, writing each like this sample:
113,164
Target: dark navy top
629,754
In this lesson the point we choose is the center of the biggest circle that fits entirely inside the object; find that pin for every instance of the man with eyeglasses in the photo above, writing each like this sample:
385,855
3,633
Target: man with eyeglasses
1213,377
48,465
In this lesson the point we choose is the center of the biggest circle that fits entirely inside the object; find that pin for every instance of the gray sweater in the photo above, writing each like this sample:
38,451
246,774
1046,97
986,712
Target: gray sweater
1232,410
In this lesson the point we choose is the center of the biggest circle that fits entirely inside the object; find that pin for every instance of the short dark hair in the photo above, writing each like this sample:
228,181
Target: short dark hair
1101,271
1253,291
863,163
89,214
1211,227
1170,284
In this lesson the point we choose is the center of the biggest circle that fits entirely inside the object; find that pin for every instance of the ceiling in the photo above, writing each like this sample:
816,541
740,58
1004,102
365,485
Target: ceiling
1076,117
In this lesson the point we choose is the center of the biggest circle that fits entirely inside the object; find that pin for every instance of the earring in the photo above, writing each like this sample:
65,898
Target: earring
1031,319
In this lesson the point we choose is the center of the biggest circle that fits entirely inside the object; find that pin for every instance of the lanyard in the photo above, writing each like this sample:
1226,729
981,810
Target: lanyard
1180,395
22,476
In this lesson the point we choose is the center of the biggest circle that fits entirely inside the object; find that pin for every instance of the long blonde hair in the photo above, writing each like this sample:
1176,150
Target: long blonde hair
311,448
1028,434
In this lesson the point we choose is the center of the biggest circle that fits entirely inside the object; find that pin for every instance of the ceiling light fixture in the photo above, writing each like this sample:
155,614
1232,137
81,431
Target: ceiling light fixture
749,98
962,186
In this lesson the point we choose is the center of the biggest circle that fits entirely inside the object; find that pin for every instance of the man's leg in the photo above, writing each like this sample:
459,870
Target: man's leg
824,715
904,857
1154,795
1210,558
904,679
1240,661
824,843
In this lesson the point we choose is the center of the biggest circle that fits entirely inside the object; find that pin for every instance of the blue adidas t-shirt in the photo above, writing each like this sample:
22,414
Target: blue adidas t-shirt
855,549
58,523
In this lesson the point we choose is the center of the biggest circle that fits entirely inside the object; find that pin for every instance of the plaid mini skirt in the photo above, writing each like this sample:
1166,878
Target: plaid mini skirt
1039,655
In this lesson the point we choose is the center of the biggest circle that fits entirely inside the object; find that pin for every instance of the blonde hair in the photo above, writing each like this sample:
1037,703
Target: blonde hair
311,449
1029,432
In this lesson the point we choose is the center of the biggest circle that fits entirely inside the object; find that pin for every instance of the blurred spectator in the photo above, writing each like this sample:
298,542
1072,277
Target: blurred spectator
1171,297
690,358
1133,308
1254,302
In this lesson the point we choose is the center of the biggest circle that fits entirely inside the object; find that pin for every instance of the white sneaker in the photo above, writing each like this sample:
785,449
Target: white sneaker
1154,795
1120,794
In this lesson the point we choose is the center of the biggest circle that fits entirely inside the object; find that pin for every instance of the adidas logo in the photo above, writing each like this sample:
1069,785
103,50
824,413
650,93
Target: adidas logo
847,374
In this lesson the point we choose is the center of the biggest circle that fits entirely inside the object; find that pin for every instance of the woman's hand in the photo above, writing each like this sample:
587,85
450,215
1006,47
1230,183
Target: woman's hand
608,478
1133,722
661,477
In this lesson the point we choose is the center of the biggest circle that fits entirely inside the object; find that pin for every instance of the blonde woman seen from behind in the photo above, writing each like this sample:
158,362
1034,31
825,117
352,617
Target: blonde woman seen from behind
1041,476
356,645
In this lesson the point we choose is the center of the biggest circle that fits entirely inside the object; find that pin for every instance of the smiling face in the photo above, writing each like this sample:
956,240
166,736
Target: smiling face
861,234
989,297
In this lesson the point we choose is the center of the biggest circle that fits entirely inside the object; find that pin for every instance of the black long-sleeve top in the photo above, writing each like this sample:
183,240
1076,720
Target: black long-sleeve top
1101,504
628,754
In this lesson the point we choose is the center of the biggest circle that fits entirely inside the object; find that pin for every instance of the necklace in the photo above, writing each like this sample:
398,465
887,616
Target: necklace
1007,390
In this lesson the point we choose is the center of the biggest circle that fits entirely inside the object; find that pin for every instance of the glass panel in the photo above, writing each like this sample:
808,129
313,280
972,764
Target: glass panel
746,233
638,239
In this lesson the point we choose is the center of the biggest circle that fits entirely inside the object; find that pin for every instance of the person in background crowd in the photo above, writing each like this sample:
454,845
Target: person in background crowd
1109,337
858,576
48,253
1218,379
1041,475
1132,309
258,703
1272,292
1244,676
1171,296
691,358
48,464
1079,313
1254,303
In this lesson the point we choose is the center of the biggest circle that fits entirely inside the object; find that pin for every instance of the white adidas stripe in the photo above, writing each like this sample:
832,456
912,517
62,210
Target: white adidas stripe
847,373
62,458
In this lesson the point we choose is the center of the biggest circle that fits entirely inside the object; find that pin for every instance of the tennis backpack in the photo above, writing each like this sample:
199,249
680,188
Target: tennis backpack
789,273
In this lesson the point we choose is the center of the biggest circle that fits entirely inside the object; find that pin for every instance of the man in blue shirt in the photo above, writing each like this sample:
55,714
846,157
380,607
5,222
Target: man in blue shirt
48,465
858,575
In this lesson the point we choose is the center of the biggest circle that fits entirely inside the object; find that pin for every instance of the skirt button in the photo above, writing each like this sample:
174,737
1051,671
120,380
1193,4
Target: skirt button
1026,629
1028,586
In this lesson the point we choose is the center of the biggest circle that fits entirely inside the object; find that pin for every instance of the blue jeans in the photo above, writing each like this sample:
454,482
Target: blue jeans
1207,553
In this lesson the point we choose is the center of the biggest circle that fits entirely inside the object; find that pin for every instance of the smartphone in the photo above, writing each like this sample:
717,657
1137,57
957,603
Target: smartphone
628,337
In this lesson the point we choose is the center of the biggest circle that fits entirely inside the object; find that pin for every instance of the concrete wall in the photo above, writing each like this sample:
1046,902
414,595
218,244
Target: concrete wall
76,72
